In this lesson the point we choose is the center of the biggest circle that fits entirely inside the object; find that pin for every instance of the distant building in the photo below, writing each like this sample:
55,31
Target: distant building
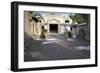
54,24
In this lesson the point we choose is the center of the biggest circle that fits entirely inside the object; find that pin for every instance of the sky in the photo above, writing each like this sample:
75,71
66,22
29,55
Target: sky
43,13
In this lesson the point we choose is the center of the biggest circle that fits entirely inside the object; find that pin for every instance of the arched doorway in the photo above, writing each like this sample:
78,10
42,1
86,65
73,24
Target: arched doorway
53,26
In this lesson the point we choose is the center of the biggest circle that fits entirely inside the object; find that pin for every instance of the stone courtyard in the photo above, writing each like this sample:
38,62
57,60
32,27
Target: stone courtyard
56,48
56,36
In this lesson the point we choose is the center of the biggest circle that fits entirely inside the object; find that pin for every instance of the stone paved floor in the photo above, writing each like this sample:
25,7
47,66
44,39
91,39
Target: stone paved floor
56,48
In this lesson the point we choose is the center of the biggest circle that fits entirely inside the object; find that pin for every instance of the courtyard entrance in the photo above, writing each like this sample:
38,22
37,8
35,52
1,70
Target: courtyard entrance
53,28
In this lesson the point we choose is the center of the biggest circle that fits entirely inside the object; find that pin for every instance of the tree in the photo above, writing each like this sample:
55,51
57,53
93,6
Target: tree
37,15
73,17
79,18
82,18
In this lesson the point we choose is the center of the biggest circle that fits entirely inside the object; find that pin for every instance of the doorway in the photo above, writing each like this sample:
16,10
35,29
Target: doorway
53,28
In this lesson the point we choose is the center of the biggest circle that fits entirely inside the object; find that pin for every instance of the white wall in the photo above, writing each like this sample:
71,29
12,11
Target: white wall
5,17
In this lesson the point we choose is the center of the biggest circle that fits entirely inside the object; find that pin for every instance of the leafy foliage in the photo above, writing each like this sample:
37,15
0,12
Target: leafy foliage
79,18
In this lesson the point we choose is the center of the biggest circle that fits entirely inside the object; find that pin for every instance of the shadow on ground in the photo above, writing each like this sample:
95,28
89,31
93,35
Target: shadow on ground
55,48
